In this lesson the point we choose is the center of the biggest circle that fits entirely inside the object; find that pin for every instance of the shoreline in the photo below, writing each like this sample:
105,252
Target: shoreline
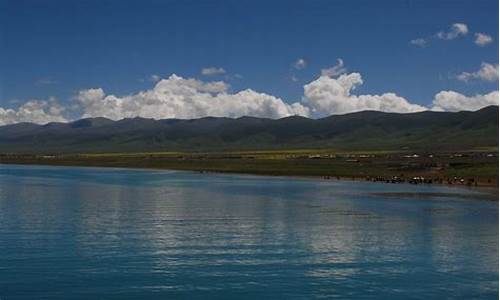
490,189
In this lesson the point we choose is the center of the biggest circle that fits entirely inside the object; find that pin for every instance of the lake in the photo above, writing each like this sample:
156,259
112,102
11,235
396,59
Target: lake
96,233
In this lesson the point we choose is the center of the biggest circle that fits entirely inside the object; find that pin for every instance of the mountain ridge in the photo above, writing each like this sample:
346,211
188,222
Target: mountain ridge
365,130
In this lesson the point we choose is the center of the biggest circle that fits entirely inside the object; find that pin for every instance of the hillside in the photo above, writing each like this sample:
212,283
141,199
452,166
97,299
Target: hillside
367,130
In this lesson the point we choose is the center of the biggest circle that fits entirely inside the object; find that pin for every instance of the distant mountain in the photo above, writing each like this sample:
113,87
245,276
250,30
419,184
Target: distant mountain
367,130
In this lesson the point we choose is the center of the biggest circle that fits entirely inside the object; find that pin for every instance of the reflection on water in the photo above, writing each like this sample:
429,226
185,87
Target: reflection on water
124,234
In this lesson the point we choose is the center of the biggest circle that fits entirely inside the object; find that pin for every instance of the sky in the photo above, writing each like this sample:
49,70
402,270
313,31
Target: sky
65,60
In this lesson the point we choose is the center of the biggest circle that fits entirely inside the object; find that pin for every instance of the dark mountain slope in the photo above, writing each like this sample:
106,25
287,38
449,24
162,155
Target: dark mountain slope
367,130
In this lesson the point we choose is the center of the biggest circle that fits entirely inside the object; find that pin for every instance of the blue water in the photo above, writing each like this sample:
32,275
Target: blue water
93,233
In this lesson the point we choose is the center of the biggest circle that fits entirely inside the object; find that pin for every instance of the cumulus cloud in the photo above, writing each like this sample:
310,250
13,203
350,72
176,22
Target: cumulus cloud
300,64
482,39
327,95
453,101
487,72
456,30
213,71
186,98
35,111
176,97
335,70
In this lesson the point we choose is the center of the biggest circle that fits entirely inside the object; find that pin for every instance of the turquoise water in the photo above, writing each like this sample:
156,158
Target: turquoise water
90,233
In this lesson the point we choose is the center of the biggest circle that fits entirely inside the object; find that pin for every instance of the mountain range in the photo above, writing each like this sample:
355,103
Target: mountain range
366,130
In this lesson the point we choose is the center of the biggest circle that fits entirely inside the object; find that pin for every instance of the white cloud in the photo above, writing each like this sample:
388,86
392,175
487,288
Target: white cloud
456,30
453,101
421,42
176,97
300,64
335,70
482,39
35,111
212,71
328,95
487,72
154,78
45,81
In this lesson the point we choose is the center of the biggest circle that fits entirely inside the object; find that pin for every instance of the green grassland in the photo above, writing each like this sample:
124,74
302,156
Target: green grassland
474,167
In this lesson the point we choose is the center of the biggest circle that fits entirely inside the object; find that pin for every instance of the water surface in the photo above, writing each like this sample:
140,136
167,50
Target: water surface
93,233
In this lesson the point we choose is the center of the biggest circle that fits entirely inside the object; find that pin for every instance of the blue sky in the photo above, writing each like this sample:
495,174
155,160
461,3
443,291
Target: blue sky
59,48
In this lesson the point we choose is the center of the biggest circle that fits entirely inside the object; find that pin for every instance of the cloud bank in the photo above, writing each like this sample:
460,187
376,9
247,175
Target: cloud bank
34,111
178,97
327,95
453,101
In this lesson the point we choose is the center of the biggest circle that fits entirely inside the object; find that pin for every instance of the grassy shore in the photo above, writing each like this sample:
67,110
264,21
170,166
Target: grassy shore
475,168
